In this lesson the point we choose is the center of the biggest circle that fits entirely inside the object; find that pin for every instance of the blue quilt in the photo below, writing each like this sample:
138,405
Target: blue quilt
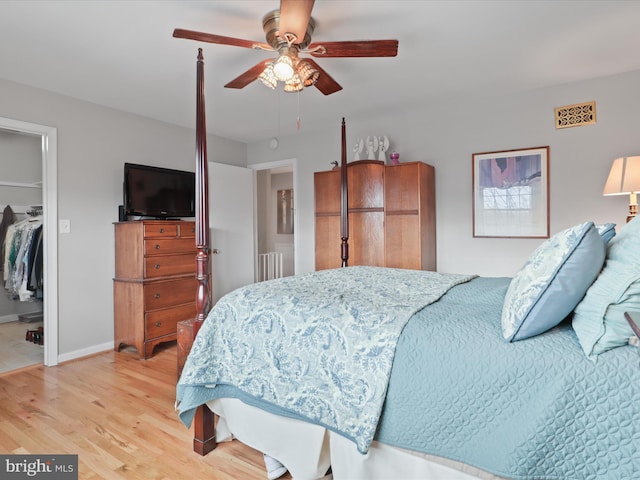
319,345
534,409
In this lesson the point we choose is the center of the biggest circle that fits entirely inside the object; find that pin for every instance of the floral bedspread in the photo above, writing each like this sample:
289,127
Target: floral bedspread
319,345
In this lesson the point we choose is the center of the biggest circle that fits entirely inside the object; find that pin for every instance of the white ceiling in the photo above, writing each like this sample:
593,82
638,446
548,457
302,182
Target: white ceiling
122,54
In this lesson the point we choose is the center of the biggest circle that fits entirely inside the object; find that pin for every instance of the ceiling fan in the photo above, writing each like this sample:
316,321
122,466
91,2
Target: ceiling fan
288,31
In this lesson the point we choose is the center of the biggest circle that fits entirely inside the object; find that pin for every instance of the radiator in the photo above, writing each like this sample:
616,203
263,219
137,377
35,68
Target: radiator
269,266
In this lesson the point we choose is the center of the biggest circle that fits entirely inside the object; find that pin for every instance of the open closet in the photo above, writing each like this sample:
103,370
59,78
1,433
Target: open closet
22,333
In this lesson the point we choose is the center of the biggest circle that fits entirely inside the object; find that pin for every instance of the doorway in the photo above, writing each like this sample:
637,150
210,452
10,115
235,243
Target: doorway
20,241
276,220
48,147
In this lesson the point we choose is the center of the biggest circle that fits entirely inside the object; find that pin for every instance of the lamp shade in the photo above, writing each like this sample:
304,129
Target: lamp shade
293,84
624,176
283,68
308,75
268,77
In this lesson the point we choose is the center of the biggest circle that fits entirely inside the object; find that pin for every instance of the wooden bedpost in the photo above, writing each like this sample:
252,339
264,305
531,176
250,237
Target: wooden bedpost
344,204
203,296
204,439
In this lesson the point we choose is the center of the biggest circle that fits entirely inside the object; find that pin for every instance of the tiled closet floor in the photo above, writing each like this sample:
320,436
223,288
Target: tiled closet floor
15,351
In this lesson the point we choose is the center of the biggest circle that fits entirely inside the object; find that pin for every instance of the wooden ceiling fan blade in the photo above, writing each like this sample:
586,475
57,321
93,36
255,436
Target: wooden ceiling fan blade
219,39
364,48
294,17
325,83
249,76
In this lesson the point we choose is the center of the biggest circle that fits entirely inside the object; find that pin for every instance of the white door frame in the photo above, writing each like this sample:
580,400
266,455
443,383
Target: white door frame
293,162
49,137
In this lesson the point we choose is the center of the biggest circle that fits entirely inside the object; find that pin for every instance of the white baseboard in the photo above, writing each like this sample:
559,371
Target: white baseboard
65,357
9,318
15,317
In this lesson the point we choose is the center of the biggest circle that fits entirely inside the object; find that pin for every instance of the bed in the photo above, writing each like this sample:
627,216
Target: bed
381,373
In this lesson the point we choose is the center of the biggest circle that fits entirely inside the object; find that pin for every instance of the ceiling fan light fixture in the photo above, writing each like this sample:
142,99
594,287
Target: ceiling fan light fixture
307,73
283,68
288,31
268,77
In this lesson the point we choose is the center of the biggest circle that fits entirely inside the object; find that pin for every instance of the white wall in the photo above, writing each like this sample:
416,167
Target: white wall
93,144
20,162
447,135
263,213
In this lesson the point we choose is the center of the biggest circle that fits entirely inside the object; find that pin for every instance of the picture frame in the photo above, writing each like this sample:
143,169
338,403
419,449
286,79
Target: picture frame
511,193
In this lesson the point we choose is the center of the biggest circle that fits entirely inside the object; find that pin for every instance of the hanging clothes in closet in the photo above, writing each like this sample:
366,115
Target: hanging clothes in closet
8,217
23,255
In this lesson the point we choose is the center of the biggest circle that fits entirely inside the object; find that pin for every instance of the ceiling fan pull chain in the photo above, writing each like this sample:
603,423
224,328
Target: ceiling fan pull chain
298,122
279,106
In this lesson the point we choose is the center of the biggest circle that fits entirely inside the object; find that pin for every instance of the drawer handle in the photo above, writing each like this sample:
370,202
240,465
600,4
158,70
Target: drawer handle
162,230
156,296
157,247
158,324
157,266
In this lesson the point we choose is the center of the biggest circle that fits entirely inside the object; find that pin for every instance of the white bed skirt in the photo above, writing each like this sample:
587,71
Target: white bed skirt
308,450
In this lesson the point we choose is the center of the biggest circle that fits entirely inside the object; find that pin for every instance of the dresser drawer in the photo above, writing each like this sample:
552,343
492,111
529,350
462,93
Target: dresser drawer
187,229
160,246
160,230
167,265
163,322
170,293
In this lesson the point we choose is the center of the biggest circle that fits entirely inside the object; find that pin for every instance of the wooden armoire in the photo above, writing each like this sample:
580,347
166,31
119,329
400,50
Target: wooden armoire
392,220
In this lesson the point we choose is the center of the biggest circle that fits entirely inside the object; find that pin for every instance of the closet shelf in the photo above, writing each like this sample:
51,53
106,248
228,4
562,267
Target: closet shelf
19,184
24,209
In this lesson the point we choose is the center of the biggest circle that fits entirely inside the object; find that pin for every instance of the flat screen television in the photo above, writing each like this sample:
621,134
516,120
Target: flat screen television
158,192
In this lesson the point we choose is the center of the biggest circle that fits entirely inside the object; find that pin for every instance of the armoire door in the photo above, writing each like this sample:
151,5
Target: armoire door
366,215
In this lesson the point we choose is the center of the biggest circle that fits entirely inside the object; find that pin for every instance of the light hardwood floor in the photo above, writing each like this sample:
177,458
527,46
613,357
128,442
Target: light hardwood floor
117,414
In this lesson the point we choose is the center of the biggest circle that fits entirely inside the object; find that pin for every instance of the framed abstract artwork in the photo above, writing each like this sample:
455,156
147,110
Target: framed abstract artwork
511,193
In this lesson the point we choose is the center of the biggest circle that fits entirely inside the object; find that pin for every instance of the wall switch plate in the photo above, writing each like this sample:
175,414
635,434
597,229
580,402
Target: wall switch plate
65,226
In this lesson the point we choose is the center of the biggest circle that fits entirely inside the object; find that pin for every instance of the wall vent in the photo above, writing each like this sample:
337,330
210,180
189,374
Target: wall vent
576,115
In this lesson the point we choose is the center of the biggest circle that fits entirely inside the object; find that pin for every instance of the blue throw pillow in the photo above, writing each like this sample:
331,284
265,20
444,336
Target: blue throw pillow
551,283
607,231
598,319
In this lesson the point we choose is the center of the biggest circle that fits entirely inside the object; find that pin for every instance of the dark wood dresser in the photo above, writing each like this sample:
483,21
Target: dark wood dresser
154,286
